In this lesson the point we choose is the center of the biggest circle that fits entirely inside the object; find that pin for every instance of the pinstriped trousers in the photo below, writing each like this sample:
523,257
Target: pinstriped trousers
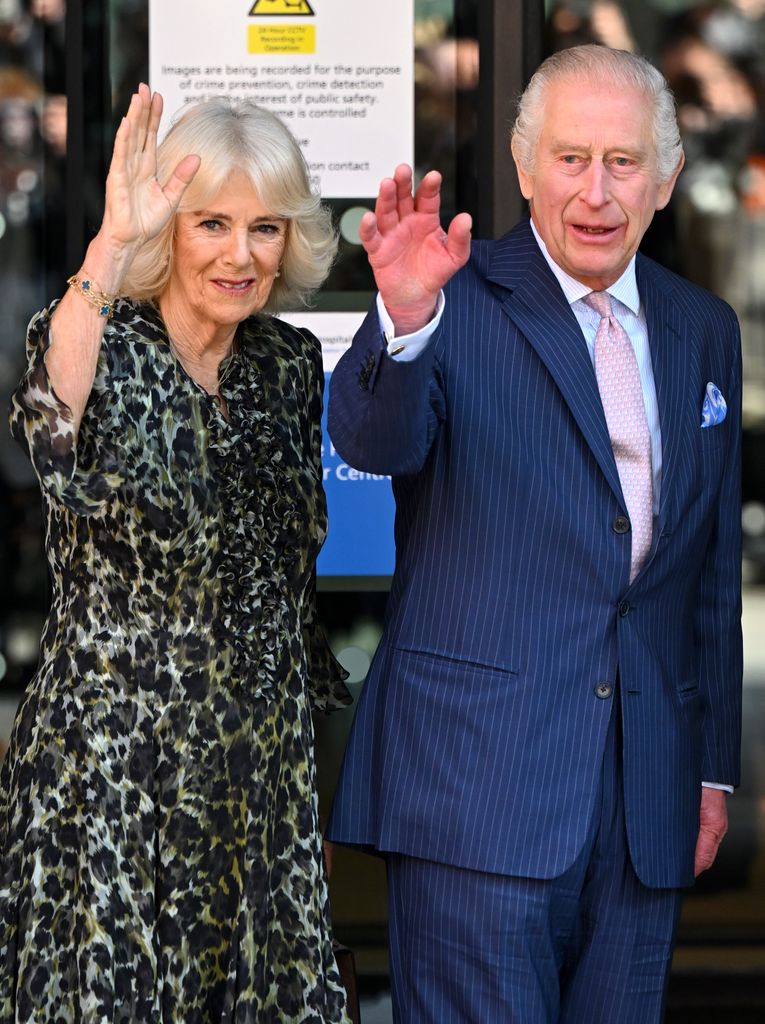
593,946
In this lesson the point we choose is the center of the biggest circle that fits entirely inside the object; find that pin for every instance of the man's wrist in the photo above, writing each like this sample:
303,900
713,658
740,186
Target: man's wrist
717,785
406,347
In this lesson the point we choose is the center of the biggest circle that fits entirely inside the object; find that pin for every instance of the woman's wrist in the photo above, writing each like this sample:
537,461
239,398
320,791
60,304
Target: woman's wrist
107,262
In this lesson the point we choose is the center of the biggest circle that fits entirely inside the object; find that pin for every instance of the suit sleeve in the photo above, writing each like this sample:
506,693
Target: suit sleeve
384,414
718,618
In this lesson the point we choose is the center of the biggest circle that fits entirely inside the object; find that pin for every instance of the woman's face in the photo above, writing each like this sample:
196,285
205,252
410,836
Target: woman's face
226,258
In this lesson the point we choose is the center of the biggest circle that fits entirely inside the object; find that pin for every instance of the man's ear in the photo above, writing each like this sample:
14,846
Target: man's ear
667,187
525,180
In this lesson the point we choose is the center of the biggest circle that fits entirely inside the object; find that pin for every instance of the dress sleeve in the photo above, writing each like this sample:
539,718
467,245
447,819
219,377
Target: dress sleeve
79,471
326,676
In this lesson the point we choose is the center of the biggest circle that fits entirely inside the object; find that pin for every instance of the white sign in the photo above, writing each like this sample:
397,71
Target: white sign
335,331
340,73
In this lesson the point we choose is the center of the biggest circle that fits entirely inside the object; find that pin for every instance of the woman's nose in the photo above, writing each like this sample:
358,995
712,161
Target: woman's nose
238,249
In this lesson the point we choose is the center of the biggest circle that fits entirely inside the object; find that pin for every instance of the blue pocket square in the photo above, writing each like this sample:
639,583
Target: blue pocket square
714,410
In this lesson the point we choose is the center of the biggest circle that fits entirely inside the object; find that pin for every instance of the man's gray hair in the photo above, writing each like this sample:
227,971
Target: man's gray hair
594,63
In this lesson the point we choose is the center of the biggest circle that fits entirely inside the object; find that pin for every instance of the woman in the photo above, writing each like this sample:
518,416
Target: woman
161,853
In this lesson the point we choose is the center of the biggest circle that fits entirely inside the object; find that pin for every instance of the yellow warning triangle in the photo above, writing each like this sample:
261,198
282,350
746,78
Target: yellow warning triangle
281,7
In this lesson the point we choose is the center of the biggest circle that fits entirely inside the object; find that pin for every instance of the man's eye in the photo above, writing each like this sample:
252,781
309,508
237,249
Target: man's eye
570,158
623,161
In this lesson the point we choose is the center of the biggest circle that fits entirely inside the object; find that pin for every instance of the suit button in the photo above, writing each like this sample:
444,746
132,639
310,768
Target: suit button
621,524
604,690
624,608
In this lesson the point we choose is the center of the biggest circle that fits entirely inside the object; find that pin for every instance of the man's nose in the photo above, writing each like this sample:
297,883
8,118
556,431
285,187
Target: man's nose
595,184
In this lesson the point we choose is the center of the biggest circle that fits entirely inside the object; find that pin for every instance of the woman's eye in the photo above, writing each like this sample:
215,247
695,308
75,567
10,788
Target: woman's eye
211,225
267,229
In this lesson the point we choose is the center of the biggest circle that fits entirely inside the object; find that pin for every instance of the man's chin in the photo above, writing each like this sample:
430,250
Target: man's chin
597,274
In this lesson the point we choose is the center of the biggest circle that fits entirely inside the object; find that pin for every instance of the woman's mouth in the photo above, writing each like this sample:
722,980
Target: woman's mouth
234,286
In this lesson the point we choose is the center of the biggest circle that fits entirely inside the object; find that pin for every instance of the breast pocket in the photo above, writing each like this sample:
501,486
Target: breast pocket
712,456
715,437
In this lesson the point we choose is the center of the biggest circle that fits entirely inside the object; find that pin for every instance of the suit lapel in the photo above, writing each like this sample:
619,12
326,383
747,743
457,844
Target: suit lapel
532,298
537,306
671,356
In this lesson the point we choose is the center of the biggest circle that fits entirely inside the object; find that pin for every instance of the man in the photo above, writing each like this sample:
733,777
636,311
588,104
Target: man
545,740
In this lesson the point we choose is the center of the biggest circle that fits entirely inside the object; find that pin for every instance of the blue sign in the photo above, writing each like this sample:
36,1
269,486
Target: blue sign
361,510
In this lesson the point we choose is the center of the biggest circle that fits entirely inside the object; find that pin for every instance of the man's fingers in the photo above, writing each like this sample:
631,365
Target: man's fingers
395,202
369,236
386,206
458,238
706,851
428,196
404,199
713,824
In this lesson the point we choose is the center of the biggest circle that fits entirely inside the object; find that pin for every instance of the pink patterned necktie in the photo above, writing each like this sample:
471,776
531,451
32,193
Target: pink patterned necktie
621,393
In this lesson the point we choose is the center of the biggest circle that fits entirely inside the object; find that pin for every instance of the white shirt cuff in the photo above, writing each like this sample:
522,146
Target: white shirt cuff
407,347
717,785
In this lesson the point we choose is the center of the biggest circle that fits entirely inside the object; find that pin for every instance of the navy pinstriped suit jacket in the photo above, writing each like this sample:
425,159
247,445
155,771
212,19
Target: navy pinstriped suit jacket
479,734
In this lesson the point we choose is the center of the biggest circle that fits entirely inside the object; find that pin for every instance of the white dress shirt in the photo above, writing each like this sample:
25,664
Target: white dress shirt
625,303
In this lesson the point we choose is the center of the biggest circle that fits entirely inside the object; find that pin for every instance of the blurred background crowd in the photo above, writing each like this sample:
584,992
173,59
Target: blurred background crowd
713,55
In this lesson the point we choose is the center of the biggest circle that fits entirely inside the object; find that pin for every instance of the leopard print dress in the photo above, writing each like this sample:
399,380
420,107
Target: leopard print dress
161,855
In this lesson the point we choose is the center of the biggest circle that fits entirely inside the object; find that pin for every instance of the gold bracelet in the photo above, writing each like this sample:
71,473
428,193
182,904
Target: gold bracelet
104,303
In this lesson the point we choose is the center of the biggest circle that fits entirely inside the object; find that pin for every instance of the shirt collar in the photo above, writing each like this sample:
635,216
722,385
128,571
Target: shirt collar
625,290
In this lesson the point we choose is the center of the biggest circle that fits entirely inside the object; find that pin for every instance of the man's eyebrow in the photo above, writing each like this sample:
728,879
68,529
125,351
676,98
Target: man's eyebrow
561,146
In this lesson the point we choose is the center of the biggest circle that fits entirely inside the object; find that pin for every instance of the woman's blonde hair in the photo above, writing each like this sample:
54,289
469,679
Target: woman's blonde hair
231,136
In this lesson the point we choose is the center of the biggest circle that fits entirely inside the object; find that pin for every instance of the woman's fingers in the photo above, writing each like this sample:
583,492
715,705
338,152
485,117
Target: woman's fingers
137,108
152,127
180,179
134,136
135,144
144,118
121,140
143,114
144,108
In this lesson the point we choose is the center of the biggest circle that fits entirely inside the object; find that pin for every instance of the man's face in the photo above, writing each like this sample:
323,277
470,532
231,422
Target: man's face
595,188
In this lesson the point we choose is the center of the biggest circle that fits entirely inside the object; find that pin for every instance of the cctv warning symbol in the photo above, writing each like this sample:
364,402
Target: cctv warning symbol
281,7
